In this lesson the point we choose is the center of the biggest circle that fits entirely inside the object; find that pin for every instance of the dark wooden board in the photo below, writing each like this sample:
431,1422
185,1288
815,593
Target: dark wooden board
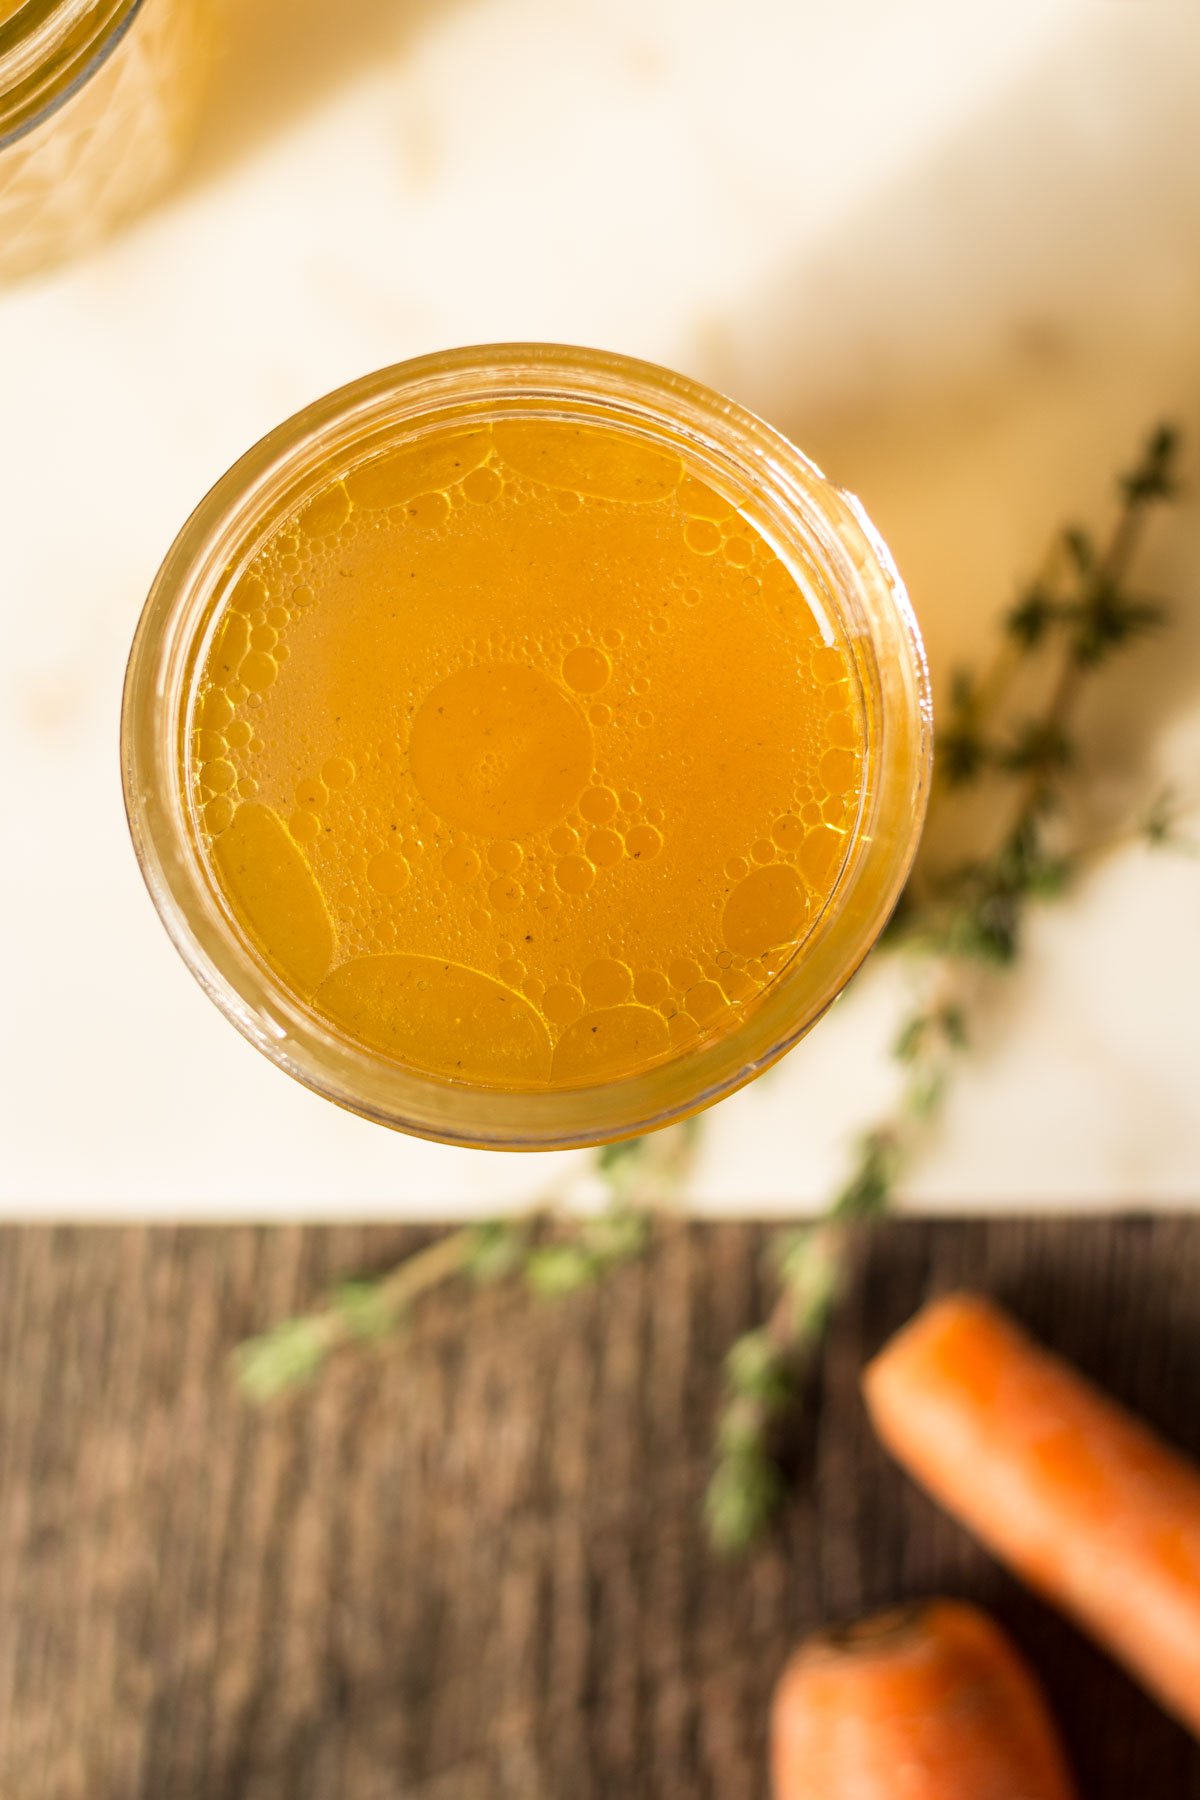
470,1566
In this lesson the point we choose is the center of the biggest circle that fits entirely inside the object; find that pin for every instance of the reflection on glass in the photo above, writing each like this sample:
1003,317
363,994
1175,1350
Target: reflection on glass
97,100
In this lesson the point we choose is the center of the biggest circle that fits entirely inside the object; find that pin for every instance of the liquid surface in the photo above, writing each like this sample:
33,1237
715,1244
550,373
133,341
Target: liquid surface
523,758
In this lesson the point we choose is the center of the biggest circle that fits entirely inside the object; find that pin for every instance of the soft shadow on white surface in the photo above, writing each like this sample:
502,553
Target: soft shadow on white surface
977,352
983,346
280,59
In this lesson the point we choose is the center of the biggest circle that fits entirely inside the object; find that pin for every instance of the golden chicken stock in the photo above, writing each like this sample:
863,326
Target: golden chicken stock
522,757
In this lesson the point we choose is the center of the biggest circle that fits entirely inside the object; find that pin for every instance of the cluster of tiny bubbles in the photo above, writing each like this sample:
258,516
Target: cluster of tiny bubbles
244,661
609,823
312,795
712,526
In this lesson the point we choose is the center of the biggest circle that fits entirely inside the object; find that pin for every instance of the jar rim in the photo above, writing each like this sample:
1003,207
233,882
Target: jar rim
198,568
49,49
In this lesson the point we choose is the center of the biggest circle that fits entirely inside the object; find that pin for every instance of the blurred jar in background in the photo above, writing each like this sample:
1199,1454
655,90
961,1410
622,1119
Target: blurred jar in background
97,101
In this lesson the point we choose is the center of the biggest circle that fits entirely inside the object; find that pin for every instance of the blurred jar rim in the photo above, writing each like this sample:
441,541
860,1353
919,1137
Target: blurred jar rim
48,50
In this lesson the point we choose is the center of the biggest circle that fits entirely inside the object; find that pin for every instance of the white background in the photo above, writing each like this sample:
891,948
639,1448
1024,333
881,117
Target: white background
953,250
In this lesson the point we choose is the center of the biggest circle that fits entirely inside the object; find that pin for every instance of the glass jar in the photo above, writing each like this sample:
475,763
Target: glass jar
780,492
97,100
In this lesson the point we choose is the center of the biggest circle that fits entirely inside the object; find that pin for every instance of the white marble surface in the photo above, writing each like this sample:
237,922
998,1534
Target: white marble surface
955,251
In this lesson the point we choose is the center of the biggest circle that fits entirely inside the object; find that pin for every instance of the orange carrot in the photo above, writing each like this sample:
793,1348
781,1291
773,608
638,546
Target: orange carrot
1074,1494
931,1704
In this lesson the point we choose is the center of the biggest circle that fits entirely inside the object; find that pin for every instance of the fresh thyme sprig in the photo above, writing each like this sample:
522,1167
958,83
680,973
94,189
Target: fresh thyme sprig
956,923
1161,825
549,1247
810,1264
1079,598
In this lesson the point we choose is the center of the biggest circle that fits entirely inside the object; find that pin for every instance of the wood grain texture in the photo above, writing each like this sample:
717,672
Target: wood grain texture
470,1566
